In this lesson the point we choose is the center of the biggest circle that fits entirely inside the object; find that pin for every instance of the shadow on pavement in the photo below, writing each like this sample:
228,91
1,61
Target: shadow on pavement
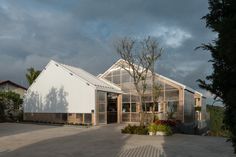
8,129
101,142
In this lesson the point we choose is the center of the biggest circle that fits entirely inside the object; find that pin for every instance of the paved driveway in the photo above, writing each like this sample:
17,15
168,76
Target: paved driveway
23,140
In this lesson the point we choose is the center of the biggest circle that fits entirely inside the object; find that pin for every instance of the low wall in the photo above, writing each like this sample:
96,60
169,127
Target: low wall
70,118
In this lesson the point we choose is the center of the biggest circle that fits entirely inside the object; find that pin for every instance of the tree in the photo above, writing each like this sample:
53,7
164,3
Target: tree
140,58
221,19
31,75
153,53
10,106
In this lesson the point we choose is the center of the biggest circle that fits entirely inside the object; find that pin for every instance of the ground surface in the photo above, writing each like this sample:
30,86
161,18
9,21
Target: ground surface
24,140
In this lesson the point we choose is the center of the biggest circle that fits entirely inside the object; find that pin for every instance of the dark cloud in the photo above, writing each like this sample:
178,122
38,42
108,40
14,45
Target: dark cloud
82,33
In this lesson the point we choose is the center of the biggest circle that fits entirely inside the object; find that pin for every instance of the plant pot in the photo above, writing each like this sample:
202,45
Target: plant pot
151,133
160,133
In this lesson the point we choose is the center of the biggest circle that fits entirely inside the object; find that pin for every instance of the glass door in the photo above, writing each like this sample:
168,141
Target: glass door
102,107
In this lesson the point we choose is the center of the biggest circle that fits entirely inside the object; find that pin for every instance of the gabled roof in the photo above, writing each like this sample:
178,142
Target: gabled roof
121,61
98,83
12,83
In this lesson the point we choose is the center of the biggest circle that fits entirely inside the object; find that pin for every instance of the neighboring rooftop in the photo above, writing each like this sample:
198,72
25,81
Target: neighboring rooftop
12,83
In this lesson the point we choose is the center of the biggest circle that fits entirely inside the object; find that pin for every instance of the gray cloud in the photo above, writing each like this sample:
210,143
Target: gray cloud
82,33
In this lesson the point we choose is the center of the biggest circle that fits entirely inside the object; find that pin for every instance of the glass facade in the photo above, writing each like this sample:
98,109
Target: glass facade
189,103
101,106
169,95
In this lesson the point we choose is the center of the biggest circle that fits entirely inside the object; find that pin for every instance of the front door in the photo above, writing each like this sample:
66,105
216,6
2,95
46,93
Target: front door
111,108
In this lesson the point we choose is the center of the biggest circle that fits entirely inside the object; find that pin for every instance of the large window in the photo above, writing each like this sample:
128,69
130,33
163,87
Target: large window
172,106
149,107
169,93
126,107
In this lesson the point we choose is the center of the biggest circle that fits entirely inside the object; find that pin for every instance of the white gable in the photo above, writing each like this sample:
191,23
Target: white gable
98,83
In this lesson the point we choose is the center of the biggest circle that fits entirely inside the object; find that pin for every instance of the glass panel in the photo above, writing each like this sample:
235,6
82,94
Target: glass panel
126,107
87,118
172,106
172,95
125,78
148,106
147,98
116,72
64,116
102,107
134,98
126,117
116,79
188,107
133,107
101,97
102,118
126,98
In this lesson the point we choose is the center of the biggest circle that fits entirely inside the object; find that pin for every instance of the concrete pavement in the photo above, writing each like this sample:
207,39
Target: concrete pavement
24,140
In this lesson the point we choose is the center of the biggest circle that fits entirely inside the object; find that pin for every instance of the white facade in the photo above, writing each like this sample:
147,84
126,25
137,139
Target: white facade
57,91
63,89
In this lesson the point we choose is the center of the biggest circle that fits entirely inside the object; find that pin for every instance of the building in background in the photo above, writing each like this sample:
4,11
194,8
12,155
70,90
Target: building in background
7,86
67,94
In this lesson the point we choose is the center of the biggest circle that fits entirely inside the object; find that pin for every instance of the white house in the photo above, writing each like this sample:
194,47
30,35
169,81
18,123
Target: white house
65,94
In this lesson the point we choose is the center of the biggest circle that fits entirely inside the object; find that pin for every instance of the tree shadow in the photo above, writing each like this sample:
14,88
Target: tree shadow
8,129
100,141
55,101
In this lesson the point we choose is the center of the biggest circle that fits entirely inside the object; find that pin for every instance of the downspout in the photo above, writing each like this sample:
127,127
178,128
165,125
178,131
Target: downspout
183,103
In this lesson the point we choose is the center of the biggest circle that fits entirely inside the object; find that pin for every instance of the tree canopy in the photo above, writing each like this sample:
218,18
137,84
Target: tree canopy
31,75
221,19
10,106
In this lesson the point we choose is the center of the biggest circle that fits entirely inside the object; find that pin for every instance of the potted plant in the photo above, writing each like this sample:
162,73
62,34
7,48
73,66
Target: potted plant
152,128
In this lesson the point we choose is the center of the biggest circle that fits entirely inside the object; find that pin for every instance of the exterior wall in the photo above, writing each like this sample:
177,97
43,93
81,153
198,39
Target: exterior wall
9,87
189,103
56,90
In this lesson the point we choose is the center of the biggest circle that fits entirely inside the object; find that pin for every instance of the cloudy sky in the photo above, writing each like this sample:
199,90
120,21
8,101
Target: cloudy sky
83,32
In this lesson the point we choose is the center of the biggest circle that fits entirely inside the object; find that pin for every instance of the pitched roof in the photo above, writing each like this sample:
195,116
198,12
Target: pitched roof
12,83
121,61
100,84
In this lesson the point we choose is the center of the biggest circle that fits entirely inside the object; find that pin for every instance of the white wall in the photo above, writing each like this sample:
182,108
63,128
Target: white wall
57,91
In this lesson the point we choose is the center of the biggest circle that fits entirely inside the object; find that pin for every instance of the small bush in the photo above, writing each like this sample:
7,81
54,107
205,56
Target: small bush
133,129
152,127
170,123
164,128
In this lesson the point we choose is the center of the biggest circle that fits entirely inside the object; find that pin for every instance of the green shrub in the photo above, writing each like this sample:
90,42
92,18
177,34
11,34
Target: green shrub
216,125
164,128
133,129
152,127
